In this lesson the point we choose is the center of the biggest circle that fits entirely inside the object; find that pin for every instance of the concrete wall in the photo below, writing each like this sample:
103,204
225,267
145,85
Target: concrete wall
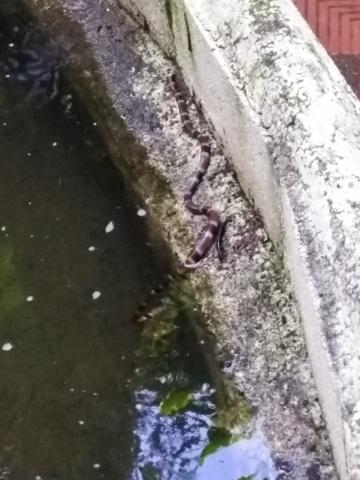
291,126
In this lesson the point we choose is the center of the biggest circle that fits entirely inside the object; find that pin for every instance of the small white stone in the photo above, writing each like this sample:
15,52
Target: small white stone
7,347
7,75
81,422
71,389
28,154
95,394
30,298
96,294
37,477
109,227
32,236
54,144
91,248
141,212
96,465
4,124
95,124
11,45
3,228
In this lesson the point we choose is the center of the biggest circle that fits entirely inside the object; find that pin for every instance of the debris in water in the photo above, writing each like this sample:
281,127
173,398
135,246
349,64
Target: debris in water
109,227
141,212
96,294
7,347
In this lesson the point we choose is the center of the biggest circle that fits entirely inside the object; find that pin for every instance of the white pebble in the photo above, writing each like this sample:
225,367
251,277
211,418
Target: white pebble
37,477
4,124
92,249
54,144
96,465
7,75
81,422
96,294
95,394
30,298
7,347
11,45
94,123
28,154
3,228
141,212
109,227
71,389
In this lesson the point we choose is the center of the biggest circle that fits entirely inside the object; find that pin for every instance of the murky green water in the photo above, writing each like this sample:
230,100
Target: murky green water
69,384
82,385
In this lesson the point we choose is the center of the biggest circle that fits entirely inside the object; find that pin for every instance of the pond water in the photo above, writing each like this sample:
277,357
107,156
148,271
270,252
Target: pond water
82,384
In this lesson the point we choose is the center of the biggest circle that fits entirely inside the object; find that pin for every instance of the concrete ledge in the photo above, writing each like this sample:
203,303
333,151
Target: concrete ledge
291,126
264,84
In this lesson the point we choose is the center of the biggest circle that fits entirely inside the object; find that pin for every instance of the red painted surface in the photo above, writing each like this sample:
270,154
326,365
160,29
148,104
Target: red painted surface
337,25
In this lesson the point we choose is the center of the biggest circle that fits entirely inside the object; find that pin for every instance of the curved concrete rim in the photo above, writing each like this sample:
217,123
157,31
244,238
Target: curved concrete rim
260,74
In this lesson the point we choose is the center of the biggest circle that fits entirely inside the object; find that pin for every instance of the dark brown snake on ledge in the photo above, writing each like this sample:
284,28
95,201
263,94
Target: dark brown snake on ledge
215,229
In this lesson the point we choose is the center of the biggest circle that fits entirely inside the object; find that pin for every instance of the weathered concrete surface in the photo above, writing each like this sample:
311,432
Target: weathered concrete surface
291,127
120,74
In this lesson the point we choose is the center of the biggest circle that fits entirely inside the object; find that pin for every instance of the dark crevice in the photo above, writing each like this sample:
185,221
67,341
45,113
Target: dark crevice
188,35
169,13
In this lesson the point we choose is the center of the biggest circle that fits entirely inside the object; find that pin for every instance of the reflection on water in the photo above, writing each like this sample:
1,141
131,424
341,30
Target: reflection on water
82,385
247,459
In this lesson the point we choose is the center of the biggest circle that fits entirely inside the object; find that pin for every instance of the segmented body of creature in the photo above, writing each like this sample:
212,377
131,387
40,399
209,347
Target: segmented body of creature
215,227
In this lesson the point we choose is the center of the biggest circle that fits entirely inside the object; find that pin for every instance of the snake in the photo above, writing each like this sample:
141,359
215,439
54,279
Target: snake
215,226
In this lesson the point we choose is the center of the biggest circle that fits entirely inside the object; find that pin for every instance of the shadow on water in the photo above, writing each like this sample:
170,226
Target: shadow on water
86,393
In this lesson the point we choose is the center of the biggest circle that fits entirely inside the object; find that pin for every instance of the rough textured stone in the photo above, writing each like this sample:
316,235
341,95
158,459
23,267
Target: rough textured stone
308,119
290,125
246,300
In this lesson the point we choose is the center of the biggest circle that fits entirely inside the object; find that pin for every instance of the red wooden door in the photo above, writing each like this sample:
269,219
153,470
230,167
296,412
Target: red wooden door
337,25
